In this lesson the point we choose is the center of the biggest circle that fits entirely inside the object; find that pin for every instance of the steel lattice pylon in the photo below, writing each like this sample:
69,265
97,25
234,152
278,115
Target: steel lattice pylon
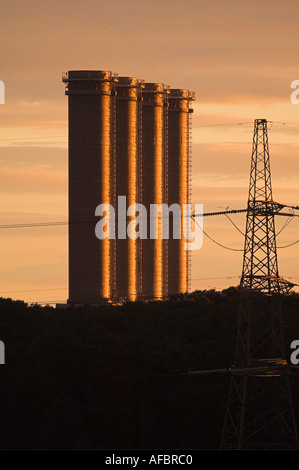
260,269
259,413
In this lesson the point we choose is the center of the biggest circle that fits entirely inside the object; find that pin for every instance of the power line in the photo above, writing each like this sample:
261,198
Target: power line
228,124
287,222
230,371
283,123
228,217
233,211
33,138
32,290
65,288
213,278
214,241
36,224
220,244
290,244
225,124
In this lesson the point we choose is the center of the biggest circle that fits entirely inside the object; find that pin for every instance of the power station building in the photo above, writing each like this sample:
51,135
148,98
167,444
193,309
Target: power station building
126,138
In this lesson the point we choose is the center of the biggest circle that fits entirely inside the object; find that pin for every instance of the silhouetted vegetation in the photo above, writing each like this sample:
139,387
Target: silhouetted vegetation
109,377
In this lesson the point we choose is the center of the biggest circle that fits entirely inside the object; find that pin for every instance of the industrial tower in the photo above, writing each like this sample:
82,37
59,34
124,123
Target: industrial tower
259,413
127,138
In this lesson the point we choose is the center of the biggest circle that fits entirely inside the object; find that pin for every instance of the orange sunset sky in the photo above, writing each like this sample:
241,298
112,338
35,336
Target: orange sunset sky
240,58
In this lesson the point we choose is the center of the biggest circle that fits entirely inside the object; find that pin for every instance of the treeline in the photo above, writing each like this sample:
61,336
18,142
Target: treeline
116,377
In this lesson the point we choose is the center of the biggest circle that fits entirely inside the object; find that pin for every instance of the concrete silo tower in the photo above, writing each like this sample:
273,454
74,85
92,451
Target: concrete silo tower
127,183
179,183
153,184
90,96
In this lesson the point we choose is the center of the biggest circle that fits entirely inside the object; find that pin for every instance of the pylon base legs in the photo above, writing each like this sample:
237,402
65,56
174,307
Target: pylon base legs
259,413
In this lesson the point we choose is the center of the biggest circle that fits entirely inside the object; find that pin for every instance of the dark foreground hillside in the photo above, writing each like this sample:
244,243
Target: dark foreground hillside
108,377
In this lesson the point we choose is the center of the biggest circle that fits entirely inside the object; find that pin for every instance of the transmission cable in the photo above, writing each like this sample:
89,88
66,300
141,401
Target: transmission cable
290,244
239,230
287,222
214,241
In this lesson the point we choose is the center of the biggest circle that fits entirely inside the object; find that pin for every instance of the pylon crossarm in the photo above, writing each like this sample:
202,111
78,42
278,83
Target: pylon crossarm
263,207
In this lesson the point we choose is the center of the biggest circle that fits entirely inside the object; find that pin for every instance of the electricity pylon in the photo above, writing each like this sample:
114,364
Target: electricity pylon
259,413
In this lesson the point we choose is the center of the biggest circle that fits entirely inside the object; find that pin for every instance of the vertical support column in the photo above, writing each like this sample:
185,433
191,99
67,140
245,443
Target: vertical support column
153,186
178,184
90,94
165,197
189,186
113,198
127,148
139,189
